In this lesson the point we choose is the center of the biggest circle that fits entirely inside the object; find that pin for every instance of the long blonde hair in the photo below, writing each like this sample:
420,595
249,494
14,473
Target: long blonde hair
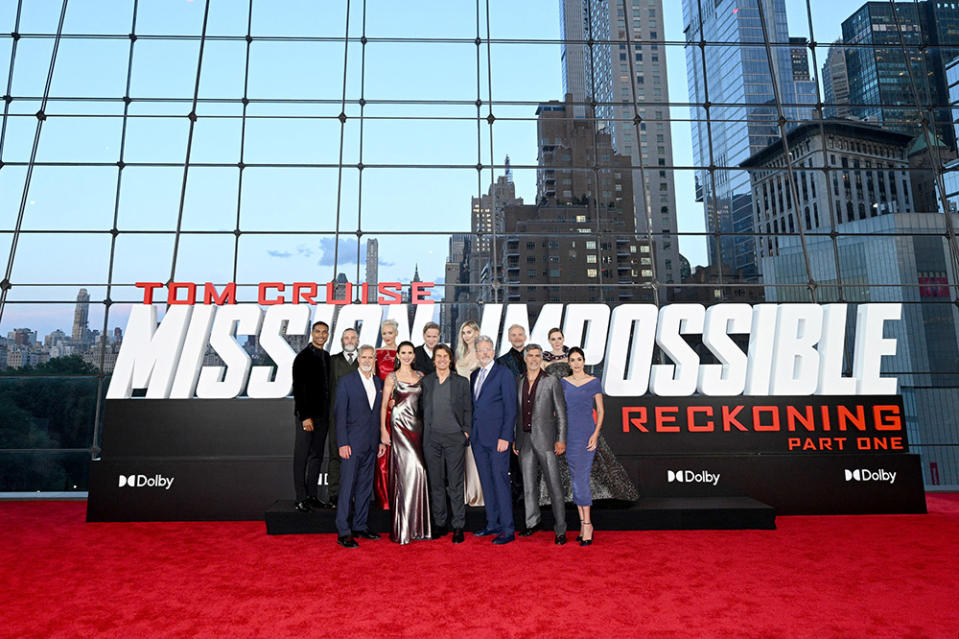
460,343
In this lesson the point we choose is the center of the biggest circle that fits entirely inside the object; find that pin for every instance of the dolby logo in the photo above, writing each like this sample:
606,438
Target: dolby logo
142,481
865,474
692,477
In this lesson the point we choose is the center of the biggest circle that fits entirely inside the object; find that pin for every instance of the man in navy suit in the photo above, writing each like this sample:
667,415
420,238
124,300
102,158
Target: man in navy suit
359,396
494,417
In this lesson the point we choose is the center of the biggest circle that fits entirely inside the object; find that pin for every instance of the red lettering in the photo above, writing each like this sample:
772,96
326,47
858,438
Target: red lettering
261,297
729,419
662,419
806,419
708,427
825,443
895,443
364,293
758,425
393,292
639,423
227,297
792,442
190,287
809,444
825,419
331,293
420,292
887,417
306,295
845,416
148,290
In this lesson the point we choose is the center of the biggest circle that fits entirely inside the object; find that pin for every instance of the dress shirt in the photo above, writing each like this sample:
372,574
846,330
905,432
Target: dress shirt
481,378
529,398
369,386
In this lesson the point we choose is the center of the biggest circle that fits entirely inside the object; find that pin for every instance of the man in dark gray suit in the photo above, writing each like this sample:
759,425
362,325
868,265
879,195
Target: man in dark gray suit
540,439
447,422
341,365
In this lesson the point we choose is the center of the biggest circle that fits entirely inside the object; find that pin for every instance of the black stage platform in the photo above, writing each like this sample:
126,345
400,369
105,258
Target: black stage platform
650,513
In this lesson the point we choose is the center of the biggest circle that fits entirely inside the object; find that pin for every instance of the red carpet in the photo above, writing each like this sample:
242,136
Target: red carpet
863,576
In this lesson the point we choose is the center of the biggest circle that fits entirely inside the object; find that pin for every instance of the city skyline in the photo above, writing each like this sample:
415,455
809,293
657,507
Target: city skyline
143,256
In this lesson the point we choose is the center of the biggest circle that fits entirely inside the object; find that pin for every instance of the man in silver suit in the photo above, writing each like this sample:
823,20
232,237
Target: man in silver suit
540,439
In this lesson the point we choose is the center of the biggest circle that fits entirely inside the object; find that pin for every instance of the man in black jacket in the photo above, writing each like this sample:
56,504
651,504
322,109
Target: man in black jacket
447,423
311,394
424,352
341,365
513,359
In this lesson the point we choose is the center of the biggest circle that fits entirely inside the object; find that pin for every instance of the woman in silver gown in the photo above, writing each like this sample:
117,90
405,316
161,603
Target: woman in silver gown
409,492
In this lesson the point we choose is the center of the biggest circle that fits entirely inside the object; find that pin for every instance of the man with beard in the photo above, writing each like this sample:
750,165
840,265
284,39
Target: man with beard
341,365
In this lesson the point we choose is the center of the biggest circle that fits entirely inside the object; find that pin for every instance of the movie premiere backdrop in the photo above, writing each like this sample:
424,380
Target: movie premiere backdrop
784,403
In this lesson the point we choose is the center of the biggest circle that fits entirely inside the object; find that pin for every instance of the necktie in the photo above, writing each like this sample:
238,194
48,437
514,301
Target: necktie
349,359
479,382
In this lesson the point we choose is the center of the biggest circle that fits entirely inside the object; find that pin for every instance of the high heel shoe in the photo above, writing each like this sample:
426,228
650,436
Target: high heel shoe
586,542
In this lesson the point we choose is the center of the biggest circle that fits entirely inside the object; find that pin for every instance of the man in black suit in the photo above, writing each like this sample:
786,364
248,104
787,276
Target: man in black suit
424,352
447,423
359,397
311,371
513,360
341,365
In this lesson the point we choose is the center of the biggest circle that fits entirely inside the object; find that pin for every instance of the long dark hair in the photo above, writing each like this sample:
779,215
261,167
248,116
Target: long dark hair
396,362
576,349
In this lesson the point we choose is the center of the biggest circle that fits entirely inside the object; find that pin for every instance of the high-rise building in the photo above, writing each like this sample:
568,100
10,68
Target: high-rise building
372,269
868,176
835,83
888,66
487,217
456,289
807,94
578,242
624,85
742,117
81,317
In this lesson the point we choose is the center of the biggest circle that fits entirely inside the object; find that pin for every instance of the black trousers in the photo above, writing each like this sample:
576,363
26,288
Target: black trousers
308,449
333,468
445,455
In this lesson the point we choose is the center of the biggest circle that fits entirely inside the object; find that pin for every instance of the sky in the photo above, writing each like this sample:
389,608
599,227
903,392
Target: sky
290,200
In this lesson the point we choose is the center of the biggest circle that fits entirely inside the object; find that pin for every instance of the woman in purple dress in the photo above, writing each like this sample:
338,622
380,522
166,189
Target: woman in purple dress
582,393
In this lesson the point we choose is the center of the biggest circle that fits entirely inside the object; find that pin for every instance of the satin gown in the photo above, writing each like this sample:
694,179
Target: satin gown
409,490
472,488
385,362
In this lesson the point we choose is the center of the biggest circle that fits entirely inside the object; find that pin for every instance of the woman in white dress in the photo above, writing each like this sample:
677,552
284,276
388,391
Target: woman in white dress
466,363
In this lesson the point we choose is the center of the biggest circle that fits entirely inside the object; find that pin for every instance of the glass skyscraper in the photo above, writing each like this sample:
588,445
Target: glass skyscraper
734,79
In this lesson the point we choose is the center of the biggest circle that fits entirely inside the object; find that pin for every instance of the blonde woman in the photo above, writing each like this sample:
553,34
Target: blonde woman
466,363
385,365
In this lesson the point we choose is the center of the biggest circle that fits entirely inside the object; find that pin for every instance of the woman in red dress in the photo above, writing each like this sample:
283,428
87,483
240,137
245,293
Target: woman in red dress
385,364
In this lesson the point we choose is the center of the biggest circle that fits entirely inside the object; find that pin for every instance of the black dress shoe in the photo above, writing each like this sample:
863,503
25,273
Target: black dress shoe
457,535
438,532
561,540
317,504
366,534
529,531
347,542
486,532
303,506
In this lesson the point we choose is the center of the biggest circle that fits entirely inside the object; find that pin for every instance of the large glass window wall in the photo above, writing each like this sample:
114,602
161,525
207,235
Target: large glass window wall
621,151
